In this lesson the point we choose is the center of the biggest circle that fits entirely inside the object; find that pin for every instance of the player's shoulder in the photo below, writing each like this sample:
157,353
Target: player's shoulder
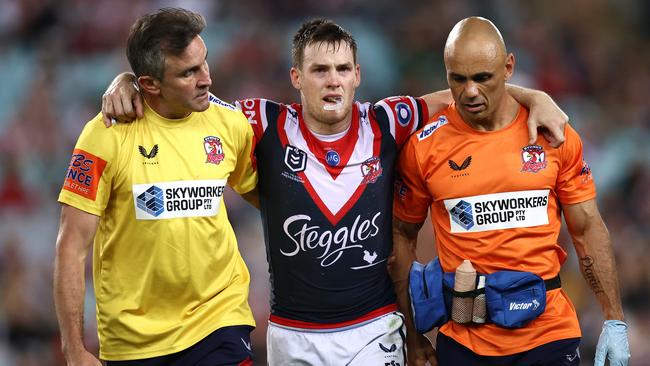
221,104
96,129
102,141
402,106
225,114
433,128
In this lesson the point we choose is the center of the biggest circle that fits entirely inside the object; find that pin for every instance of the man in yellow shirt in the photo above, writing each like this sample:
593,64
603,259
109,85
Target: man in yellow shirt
170,283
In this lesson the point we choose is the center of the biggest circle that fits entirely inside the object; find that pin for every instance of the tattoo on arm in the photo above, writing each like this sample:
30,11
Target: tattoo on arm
587,268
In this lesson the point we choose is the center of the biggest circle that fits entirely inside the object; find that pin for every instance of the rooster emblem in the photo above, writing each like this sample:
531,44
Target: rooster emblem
213,150
371,170
533,157
369,257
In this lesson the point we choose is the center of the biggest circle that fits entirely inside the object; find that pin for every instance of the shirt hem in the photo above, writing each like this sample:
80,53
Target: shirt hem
167,351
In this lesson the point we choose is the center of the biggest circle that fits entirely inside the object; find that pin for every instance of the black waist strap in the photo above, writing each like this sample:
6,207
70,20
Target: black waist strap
550,284
553,283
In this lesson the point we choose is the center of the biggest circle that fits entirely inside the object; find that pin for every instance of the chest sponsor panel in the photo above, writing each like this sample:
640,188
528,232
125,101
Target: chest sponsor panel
352,245
497,211
185,198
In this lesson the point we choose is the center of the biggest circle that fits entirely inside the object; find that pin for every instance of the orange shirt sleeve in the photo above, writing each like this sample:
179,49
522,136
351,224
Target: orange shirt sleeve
412,198
575,183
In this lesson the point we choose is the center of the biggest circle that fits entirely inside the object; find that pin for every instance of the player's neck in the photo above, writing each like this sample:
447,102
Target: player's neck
325,128
158,105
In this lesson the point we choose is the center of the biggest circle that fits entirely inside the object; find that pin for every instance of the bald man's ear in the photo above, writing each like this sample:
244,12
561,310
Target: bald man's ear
510,66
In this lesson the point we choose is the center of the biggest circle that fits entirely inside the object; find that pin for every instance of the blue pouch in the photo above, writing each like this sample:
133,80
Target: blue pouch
427,296
514,298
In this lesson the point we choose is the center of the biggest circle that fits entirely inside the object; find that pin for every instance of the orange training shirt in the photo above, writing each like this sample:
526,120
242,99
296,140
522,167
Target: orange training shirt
496,201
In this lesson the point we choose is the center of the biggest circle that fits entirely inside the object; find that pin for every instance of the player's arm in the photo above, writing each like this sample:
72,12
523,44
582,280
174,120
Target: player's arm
76,231
122,100
419,348
252,197
544,112
598,266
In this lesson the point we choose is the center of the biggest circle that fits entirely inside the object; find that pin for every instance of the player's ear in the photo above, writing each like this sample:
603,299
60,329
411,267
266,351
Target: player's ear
295,75
357,74
149,84
510,66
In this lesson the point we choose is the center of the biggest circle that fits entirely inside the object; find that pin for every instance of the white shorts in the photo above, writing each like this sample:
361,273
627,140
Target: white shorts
379,341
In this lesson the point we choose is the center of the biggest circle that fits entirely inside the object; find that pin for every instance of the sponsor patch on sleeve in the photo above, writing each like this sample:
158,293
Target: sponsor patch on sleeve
432,127
84,173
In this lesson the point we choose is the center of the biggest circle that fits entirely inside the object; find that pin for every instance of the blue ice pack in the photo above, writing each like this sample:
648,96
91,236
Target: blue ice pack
514,298
427,296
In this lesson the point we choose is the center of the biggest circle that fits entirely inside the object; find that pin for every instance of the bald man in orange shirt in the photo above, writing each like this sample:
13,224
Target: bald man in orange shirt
497,201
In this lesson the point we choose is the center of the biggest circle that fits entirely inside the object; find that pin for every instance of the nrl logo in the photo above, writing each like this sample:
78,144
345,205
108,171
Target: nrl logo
213,150
295,159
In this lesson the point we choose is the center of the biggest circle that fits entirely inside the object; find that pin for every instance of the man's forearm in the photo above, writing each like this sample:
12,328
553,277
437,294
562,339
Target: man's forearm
598,267
404,246
69,291
76,232
595,255
528,97
125,76
437,101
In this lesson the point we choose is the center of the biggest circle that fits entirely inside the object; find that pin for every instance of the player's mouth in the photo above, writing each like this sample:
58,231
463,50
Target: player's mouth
203,95
474,107
333,102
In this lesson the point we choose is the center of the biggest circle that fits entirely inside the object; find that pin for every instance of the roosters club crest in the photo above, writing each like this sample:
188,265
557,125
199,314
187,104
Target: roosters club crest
213,150
534,158
371,170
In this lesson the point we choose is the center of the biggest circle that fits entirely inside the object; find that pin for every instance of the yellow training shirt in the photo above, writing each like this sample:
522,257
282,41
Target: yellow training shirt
166,266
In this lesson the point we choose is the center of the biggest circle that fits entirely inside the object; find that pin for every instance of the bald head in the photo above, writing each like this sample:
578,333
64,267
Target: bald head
477,70
475,37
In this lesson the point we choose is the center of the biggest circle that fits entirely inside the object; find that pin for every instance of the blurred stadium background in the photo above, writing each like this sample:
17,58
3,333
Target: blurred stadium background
57,57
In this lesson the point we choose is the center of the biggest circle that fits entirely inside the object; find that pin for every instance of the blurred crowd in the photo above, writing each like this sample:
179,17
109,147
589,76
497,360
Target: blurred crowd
57,58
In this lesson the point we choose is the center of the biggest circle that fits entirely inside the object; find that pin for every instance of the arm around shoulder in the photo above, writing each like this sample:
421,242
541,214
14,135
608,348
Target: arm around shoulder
122,101
544,114
437,101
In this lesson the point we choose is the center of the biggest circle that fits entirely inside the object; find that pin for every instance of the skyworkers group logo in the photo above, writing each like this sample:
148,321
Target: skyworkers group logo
151,201
462,215
498,211
168,200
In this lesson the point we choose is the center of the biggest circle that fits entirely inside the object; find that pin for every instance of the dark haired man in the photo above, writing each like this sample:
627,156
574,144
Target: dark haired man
170,283
325,189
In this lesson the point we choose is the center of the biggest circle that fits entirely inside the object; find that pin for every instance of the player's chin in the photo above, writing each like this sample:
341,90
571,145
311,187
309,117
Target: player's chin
201,106
332,117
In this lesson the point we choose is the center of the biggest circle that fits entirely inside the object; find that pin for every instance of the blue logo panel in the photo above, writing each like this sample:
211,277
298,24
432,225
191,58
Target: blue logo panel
462,215
151,201
332,158
403,114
